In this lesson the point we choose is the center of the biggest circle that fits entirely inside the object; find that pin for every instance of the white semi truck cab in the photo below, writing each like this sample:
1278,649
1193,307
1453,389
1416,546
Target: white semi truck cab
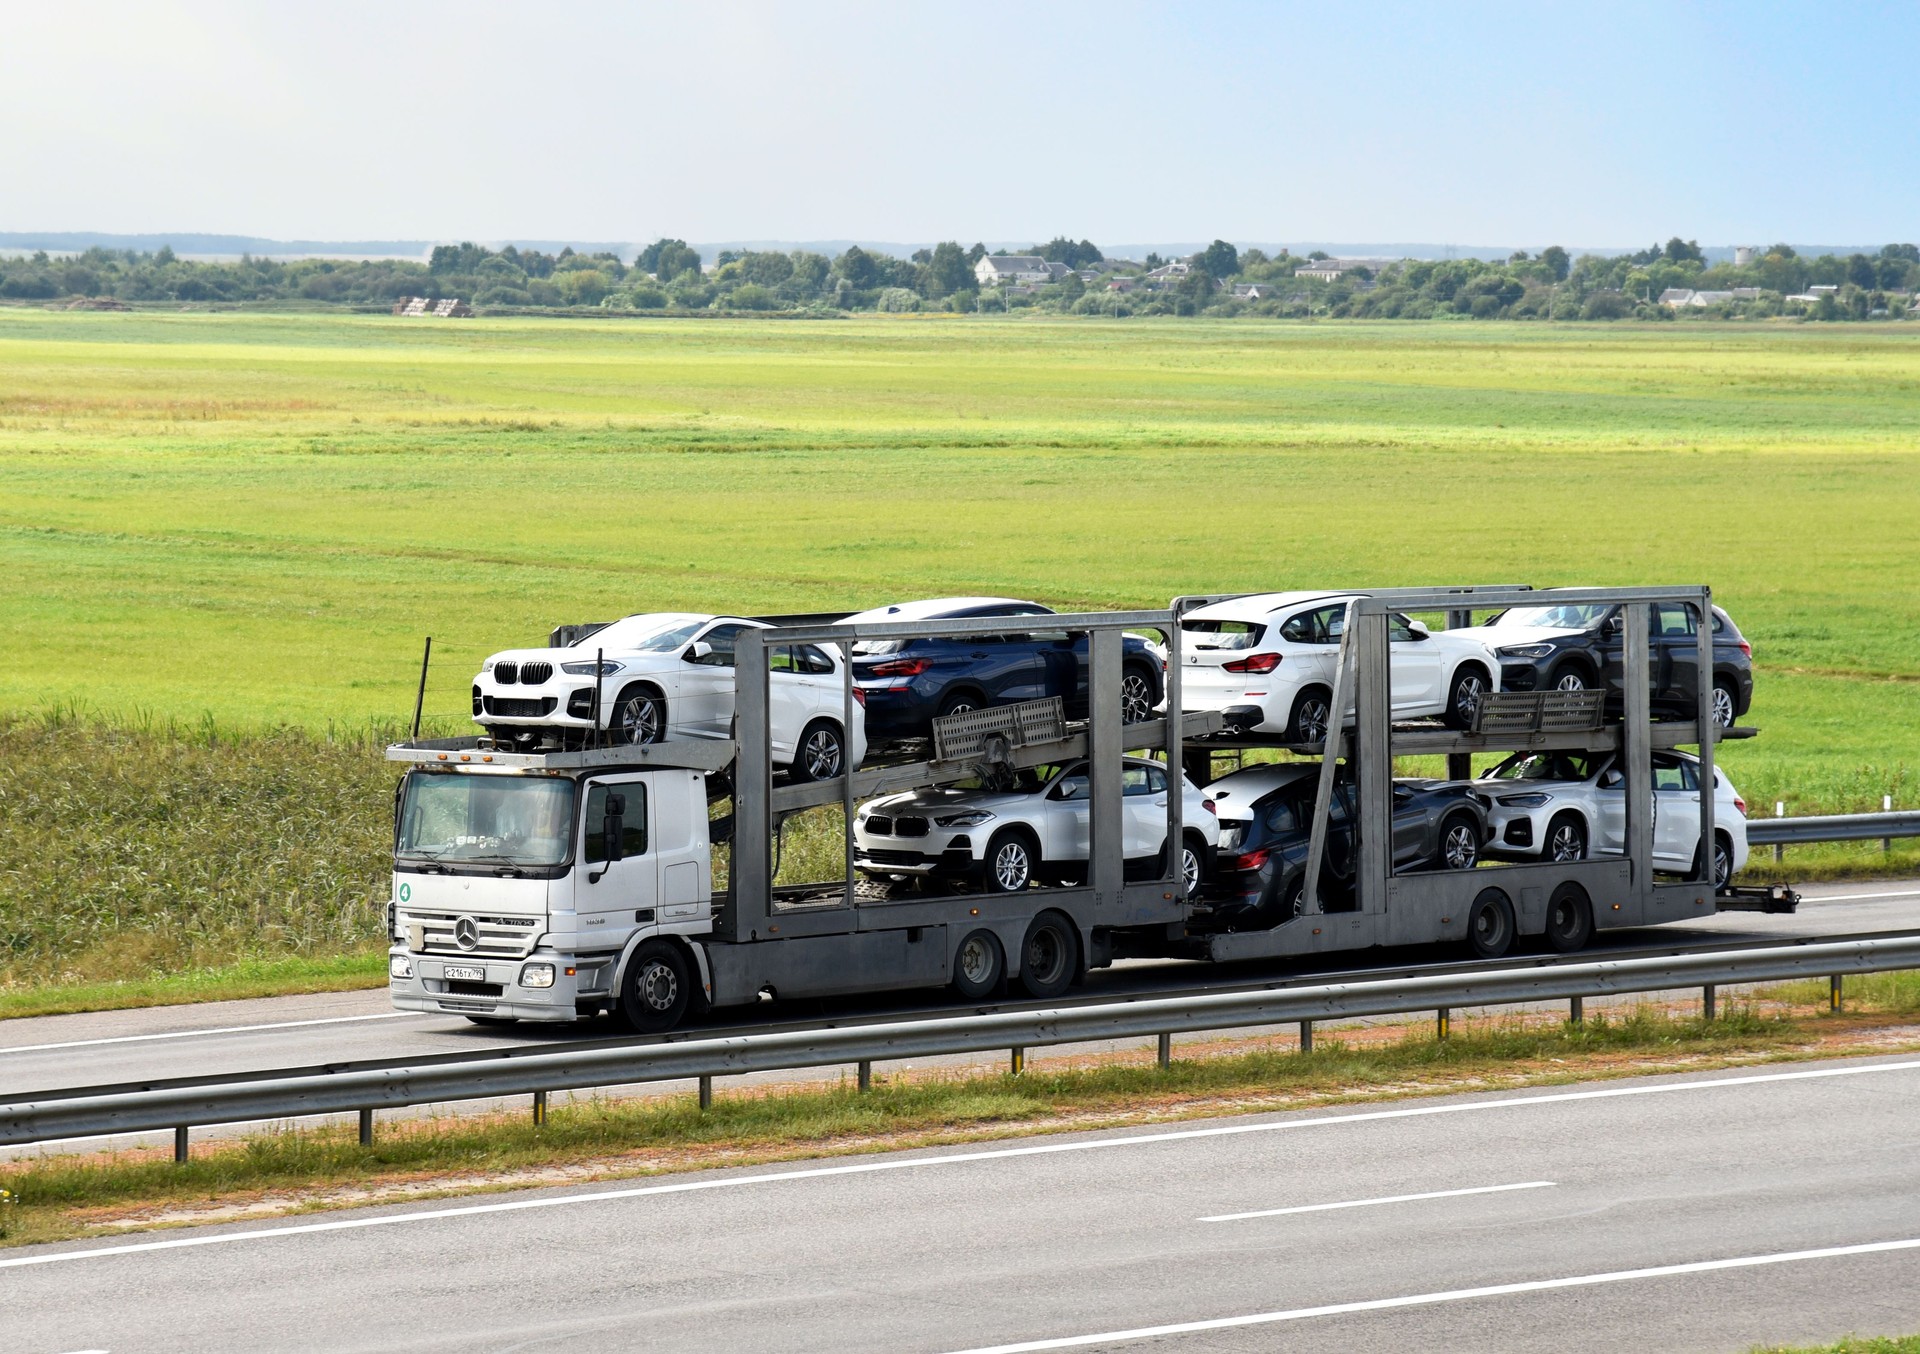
523,884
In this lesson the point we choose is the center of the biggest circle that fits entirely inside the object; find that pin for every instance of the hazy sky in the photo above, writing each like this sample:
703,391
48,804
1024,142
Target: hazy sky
1447,122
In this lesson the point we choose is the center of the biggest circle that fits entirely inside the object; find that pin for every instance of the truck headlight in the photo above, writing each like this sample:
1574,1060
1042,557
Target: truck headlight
536,975
399,966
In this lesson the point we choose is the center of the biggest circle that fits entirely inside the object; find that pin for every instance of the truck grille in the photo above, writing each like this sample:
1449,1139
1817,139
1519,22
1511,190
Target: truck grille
506,673
499,937
532,674
520,707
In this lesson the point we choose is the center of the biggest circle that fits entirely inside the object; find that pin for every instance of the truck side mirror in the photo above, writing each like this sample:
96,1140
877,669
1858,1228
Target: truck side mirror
613,828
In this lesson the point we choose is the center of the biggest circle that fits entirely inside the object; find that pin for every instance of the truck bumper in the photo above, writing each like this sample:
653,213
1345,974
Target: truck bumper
581,985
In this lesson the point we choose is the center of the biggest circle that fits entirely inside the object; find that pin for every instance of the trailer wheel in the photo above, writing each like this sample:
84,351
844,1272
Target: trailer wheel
979,966
1569,919
1011,861
657,988
1490,926
1311,717
1049,956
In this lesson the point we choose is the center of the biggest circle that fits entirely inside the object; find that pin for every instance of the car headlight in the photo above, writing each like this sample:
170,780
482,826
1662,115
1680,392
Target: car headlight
1527,801
1525,651
607,668
399,966
970,818
536,975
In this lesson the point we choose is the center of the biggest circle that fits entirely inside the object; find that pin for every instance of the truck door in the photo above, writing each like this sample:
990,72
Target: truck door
625,886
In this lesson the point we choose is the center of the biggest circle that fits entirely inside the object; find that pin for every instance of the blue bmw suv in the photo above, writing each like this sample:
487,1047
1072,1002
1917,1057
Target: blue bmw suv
906,684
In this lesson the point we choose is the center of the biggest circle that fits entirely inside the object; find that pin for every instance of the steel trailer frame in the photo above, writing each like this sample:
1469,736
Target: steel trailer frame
1405,909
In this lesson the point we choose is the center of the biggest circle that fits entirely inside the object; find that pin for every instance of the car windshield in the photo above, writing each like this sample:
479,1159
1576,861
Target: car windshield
645,634
1543,766
1555,617
1211,634
493,820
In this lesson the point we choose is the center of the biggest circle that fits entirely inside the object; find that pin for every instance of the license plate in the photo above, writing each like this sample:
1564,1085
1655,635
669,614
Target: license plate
464,973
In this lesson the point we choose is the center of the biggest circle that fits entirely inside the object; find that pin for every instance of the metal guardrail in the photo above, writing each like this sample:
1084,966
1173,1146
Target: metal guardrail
90,1113
1837,827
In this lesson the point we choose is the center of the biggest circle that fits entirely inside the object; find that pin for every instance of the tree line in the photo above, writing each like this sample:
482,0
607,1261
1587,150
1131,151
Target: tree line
671,276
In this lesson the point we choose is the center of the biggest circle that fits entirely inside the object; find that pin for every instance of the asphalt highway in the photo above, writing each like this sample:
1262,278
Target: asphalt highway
1711,1212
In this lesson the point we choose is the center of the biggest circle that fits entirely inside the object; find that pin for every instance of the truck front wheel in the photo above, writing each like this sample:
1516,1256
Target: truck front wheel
657,989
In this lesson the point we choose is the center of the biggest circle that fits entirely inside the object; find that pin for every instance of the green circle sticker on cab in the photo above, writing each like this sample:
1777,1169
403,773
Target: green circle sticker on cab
406,892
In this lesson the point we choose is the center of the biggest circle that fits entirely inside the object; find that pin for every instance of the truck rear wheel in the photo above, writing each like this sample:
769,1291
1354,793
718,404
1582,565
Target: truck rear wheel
979,966
1569,919
1490,926
1049,956
657,988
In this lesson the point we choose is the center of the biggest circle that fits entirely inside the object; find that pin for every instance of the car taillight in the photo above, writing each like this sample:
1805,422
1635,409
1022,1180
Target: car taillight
1260,662
1208,805
1253,860
1746,648
899,667
1741,805
860,697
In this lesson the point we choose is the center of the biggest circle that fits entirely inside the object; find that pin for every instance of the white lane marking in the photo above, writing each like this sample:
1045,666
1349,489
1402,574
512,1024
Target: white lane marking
1854,897
1387,1199
1453,1295
950,1159
218,1029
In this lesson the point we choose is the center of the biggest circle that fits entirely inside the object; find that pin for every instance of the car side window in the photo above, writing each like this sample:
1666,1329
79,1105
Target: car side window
1280,817
1321,626
780,659
722,638
633,823
1156,780
812,659
1669,776
1399,631
1673,622
1133,781
1072,786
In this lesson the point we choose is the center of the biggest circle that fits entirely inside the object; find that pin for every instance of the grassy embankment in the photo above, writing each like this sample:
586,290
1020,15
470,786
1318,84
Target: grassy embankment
305,1168
252,519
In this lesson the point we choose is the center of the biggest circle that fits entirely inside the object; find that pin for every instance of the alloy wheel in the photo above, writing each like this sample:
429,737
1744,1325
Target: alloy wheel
638,720
1723,714
1136,698
1468,692
821,754
1565,842
1012,867
1570,681
1460,847
1313,721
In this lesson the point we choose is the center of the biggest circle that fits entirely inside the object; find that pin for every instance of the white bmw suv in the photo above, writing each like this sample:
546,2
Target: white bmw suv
669,674
1268,661
1034,830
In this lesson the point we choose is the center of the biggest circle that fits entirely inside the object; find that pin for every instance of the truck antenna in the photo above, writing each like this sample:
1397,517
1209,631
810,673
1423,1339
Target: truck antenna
420,697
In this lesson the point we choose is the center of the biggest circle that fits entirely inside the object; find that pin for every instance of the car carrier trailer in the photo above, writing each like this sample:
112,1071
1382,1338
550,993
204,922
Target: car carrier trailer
608,904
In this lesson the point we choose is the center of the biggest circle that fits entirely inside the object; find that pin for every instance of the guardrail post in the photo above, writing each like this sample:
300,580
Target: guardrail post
1576,1009
366,1128
1886,806
1443,1023
1779,848
1018,1062
1306,1036
1834,992
866,1076
1166,1051
539,1109
706,1093
1707,1001
180,1144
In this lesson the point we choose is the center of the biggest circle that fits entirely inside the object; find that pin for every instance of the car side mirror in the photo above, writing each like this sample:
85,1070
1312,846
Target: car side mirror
698,650
1419,629
1609,779
1615,624
613,828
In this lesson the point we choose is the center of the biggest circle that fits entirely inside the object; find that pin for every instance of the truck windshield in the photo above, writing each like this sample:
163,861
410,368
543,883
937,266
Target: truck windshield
506,820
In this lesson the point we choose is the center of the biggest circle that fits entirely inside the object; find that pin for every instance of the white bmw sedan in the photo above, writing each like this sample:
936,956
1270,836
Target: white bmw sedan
1569,805
1268,661
669,675
1034,830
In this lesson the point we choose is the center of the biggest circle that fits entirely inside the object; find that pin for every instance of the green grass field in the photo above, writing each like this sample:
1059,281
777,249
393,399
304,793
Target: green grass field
253,519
